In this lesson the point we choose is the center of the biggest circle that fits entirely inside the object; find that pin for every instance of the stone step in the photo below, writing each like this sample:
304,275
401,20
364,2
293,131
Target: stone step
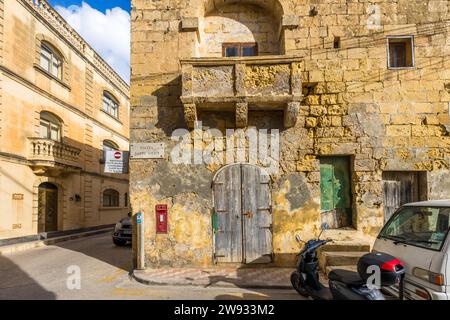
346,246
340,258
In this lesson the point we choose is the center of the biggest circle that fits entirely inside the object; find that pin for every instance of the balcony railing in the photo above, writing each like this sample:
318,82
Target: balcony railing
49,153
262,83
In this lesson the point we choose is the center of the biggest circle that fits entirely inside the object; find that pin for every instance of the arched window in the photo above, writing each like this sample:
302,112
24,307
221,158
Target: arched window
50,126
110,198
51,60
110,104
108,145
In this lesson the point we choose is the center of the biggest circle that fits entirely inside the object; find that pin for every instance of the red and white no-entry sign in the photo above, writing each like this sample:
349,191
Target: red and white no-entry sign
117,155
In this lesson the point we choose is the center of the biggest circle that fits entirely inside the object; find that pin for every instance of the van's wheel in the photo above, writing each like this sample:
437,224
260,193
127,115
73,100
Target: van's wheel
119,243
295,281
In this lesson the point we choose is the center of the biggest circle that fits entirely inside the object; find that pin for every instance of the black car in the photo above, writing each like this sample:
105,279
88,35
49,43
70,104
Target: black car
123,232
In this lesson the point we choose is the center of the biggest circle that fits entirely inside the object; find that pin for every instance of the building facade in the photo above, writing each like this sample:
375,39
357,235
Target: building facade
61,106
350,99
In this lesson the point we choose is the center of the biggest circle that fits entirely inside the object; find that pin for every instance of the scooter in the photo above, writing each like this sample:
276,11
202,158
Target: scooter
344,284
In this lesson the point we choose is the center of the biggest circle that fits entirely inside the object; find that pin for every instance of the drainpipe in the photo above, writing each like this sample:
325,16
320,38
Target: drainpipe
140,240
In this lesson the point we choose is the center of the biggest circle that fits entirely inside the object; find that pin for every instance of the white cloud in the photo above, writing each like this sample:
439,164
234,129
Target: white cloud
108,33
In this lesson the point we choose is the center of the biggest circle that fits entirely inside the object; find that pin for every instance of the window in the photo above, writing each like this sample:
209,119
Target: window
50,127
108,145
401,52
51,61
110,198
110,105
425,227
125,199
239,49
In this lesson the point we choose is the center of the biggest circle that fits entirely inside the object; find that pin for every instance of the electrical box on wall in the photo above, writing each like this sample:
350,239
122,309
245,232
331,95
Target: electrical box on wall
161,218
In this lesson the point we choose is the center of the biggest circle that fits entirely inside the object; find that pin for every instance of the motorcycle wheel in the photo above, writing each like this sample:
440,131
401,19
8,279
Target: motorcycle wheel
295,281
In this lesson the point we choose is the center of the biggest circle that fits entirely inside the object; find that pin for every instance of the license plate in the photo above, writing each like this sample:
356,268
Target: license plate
127,232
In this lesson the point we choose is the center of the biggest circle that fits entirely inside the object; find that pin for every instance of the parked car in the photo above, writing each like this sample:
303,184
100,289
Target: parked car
417,234
123,231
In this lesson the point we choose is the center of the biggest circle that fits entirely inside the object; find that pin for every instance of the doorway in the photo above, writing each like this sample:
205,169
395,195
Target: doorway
242,218
335,192
47,207
400,187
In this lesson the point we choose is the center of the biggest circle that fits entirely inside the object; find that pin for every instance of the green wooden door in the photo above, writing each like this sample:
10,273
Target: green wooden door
335,190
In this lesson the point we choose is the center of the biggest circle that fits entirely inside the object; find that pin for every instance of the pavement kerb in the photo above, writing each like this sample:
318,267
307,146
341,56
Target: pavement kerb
139,276
13,248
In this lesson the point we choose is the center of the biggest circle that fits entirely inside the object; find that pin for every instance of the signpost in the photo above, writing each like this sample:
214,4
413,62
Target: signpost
116,161
147,151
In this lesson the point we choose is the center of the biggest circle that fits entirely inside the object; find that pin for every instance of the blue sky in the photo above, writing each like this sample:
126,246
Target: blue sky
100,5
105,25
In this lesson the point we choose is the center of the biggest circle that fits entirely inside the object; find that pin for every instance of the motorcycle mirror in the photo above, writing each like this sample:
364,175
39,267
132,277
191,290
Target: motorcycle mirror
297,238
324,226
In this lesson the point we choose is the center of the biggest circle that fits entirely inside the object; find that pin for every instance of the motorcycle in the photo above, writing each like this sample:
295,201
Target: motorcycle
344,284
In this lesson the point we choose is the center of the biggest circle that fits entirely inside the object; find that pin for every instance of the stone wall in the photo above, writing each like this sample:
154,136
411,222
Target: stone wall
385,119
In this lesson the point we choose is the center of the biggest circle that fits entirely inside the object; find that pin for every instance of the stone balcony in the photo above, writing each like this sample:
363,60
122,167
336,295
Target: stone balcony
48,156
242,84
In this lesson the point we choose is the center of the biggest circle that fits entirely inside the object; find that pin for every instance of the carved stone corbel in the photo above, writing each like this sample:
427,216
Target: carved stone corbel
291,112
190,114
241,114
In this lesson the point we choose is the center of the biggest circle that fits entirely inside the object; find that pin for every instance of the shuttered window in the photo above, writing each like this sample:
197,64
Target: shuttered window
335,186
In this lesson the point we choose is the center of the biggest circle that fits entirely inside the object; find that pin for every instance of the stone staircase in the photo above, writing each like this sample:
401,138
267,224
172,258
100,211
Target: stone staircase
342,255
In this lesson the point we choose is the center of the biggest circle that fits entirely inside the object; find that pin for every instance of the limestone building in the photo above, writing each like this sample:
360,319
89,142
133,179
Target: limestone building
61,105
354,93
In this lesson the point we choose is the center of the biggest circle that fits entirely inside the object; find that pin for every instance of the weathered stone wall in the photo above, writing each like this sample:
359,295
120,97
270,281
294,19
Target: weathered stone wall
385,119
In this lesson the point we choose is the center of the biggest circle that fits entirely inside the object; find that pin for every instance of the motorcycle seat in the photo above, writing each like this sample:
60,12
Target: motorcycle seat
348,277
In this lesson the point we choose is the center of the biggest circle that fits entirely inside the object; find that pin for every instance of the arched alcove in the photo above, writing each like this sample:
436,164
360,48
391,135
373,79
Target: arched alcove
222,22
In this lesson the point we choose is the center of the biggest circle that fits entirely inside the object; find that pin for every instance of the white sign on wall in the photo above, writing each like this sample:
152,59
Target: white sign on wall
116,161
147,151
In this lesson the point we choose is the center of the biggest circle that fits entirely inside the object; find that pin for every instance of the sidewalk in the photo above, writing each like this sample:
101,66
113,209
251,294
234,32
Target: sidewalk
275,278
25,244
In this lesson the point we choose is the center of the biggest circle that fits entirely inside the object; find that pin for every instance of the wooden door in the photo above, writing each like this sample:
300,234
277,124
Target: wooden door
400,188
243,217
47,208
257,218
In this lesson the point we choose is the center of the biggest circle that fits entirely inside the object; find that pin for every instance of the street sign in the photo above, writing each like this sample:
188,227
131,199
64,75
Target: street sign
116,161
147,150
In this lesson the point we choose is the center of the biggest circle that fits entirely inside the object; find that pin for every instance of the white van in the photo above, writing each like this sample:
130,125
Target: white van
417,234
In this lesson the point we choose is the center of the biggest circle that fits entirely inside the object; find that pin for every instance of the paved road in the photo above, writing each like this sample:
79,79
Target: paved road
42,273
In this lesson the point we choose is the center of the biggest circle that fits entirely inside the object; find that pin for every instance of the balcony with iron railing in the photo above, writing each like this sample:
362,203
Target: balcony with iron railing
47,154
242,84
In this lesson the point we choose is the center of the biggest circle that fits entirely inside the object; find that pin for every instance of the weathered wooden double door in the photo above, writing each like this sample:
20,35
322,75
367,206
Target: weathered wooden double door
243,219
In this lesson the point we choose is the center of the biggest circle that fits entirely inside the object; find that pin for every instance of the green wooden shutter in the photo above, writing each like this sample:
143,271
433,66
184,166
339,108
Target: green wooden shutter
326,184
335,183
341,183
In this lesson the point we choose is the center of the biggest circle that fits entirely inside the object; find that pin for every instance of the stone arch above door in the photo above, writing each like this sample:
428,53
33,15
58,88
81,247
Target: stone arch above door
62,198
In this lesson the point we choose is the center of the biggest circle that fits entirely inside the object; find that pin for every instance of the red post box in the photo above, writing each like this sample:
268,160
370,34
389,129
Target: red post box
161,218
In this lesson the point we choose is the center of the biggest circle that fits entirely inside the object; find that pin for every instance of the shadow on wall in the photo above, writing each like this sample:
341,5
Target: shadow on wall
18,285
